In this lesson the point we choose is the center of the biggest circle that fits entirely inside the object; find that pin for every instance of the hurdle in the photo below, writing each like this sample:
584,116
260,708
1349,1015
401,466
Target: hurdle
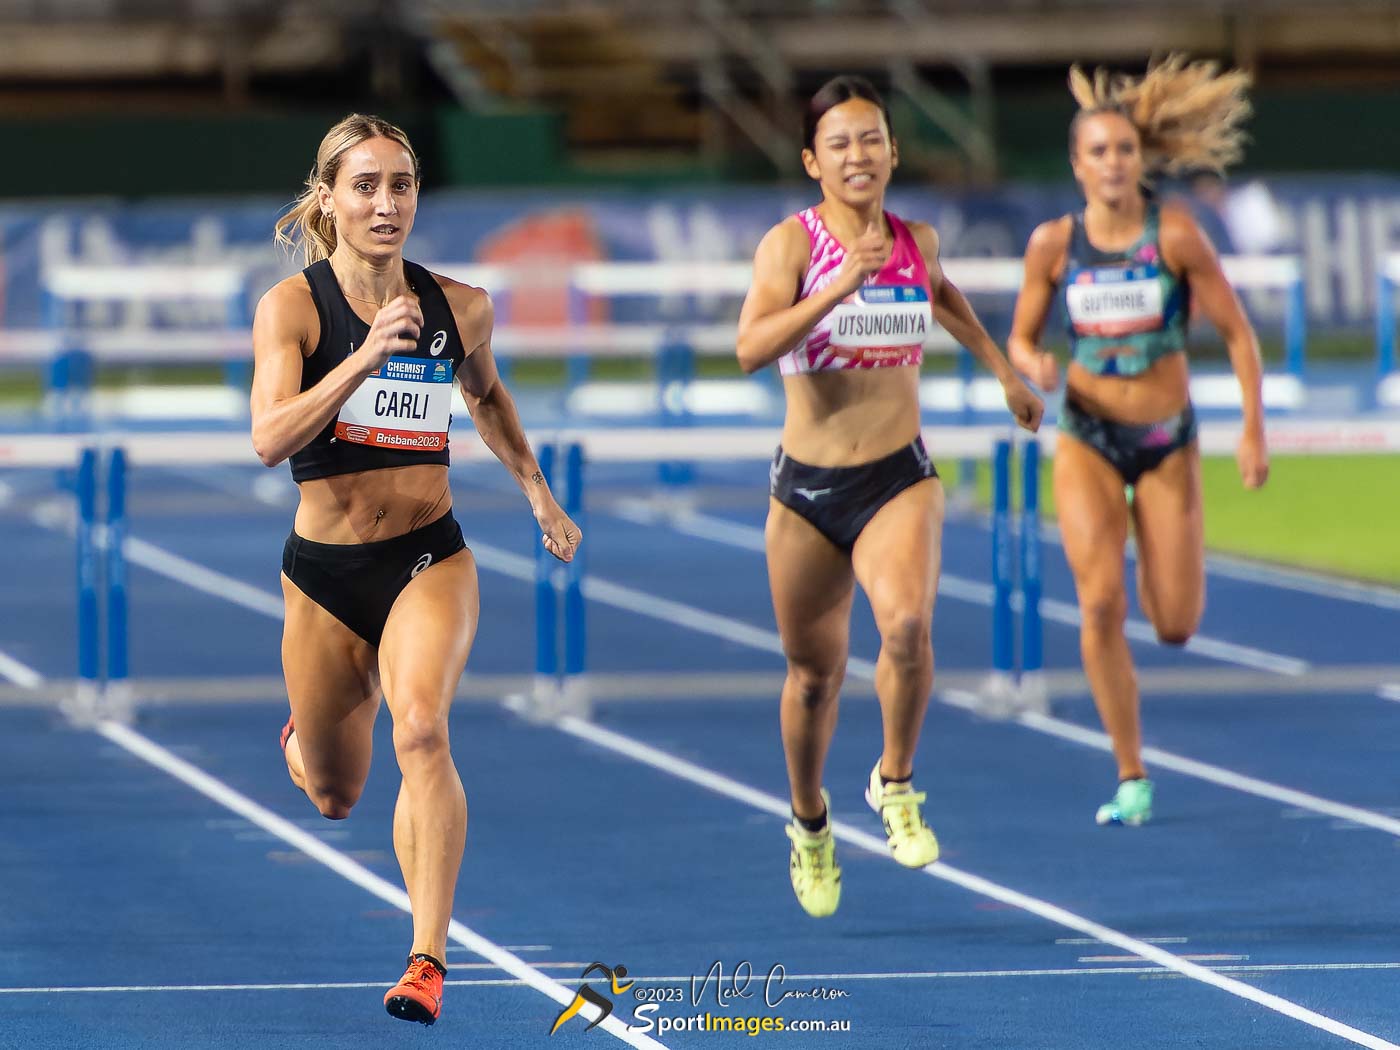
561,688
103,690
1017,682
220,288
1387,276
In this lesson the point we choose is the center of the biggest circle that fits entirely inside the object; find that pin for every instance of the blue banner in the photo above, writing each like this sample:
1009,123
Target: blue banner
1341,228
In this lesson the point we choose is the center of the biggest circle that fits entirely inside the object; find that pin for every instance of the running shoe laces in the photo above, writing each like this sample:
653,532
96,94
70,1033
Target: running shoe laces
911,841
418,995
812,867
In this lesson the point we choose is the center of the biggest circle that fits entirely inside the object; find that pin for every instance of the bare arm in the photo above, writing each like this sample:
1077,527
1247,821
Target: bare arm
285,327
952,310
1045,254
773,319
494,414
1189,252
492,408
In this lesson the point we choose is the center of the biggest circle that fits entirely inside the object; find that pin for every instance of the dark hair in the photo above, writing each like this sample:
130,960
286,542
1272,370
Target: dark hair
830,95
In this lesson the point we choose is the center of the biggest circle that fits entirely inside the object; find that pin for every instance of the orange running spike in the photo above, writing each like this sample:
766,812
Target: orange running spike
418,995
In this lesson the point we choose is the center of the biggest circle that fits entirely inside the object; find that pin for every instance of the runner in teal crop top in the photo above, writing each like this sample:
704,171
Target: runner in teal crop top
1123,309
1126,422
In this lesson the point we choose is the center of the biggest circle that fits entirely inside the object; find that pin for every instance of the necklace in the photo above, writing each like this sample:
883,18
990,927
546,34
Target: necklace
360,298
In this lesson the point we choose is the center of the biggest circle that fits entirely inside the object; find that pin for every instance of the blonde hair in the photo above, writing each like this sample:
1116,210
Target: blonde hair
304,225
1187,114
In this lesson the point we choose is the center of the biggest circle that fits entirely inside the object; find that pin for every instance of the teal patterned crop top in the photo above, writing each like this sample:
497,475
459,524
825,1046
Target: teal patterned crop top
1125,309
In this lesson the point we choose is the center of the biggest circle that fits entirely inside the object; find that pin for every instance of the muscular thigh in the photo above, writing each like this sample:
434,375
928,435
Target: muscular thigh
812,588
429,635
333,686
898,554
1093,516
1169,523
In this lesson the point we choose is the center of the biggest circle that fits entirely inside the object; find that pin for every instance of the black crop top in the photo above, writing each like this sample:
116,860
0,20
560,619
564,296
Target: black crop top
342,333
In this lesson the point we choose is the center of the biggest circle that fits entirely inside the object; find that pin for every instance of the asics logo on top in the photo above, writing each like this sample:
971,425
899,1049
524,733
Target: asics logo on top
439,341
422,564
811,494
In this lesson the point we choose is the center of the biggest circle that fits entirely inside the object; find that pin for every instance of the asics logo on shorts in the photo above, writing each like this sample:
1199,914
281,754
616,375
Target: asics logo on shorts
422,564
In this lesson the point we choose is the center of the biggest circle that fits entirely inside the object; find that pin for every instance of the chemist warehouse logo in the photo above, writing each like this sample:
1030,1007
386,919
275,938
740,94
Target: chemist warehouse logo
741,987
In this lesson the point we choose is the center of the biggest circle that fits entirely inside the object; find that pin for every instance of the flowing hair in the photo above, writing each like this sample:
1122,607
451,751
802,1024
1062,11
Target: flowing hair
1187,114
304,225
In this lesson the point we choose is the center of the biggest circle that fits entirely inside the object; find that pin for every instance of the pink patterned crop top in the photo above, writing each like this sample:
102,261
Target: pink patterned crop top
883,325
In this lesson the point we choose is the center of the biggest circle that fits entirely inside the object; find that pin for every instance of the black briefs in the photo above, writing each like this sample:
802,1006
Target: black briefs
840,501
358,583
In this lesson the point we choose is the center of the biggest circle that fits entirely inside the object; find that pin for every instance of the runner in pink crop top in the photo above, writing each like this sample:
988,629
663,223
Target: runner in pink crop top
844,296
902,321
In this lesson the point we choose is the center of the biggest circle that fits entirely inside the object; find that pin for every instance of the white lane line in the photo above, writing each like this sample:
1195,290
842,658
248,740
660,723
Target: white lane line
356,873
1188,958
1304,581
675,766
749,537
1199,645
1281,577
1389,691
12,670
1149,940
320,986
1205,771
209,581
21,674
627,598
507,982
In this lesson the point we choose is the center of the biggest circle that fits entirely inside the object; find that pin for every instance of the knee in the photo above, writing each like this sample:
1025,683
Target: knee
1104,613
420,731
905,639
1174,623
1176,632
814,685
334,801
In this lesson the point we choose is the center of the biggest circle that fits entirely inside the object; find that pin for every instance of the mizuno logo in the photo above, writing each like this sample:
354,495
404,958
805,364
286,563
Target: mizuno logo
906,271
812,494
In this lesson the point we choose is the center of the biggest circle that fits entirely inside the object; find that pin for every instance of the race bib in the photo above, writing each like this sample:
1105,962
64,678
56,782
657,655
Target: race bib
1115,303
882,324
406,404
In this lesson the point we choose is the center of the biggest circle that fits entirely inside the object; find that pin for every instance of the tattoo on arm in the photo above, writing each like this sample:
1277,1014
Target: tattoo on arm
537,478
